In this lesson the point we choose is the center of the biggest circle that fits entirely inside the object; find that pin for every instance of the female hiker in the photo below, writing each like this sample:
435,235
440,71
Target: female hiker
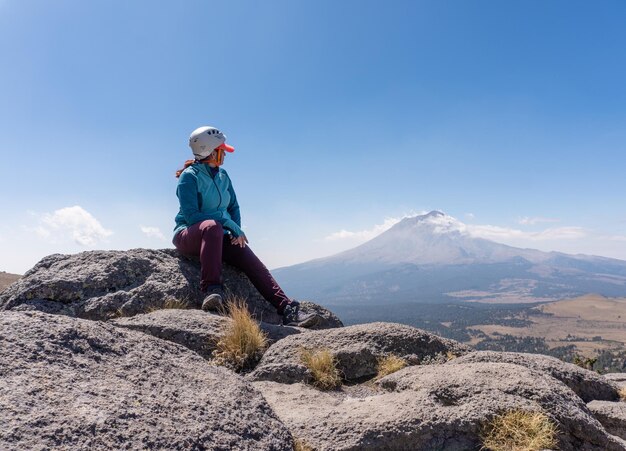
208,225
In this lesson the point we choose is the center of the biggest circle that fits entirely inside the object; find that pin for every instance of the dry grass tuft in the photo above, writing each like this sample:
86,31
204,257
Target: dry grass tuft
585,362
173,303
323,366
168,304
389,364
450,355
243,341
119,313
622,393
519,430
301,445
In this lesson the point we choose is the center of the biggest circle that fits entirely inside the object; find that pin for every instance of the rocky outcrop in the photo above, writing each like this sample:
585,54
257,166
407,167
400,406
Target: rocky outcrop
433,407
104,284
101,285
619,379
328,320
586,384
357,349
612,415
69,383
136,375
194,329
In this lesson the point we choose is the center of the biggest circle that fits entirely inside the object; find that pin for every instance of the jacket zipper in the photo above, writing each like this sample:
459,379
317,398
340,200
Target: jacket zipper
216,187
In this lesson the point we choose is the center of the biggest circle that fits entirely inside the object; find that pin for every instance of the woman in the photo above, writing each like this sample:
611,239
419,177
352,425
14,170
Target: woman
208,224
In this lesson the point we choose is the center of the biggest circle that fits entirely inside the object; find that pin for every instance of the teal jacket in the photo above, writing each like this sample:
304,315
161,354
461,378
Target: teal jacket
203,195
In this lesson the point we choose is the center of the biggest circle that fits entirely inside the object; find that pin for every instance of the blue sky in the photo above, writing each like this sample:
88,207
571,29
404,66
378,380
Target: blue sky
346,116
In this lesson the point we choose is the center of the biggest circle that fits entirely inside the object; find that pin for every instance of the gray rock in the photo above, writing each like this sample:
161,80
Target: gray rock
102,285
612,415
433,407
616,377
586,384
357,349
503,386
275,332
194,329
328,319
619,379
68,383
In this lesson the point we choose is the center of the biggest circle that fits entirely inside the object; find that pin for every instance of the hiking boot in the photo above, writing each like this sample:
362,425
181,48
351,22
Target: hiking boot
214,299
292,316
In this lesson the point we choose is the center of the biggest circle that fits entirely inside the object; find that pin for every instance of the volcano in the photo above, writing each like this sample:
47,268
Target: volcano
434,258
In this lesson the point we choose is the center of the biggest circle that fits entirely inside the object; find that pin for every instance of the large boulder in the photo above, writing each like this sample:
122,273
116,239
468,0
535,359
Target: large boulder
586,384
433,407
68,383
612,415
357,349
102,285
194,329
619,379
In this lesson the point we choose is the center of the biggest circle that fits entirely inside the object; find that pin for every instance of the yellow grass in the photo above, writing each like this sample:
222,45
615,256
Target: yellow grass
243,341
389,364
622,393
585,317
301,445
519,430
168,304
323,367
173,303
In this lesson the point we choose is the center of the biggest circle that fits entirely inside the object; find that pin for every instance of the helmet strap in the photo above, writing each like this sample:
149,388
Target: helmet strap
218,161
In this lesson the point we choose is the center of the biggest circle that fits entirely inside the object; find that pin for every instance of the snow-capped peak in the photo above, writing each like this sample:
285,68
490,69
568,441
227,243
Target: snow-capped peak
436,222
433,238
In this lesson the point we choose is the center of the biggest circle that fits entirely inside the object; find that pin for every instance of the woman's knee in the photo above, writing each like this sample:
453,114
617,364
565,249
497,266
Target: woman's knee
211,228
242,257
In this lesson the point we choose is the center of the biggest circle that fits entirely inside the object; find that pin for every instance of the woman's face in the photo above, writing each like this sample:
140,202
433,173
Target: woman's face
216,158
212,158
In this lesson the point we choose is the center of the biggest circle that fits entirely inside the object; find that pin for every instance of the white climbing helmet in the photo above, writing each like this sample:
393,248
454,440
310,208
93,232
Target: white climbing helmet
204,140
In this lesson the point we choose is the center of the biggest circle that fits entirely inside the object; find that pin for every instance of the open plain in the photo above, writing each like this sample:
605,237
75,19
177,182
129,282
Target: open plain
591,323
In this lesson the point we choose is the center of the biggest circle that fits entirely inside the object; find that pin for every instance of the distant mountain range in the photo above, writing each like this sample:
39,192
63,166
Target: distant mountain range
432,258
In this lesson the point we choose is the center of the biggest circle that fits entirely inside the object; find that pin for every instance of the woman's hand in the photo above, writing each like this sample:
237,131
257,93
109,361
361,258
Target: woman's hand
240,240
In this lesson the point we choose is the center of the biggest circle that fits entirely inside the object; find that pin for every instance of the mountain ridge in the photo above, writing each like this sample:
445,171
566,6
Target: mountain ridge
434,257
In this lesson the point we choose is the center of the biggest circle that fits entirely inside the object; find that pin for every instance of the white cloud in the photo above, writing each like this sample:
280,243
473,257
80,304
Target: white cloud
153,232
537,220
74,222
447,223
366,235
560,233
498,233
470,216
570,239
42,232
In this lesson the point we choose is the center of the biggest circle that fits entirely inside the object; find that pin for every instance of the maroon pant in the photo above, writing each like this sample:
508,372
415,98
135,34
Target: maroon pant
207,240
